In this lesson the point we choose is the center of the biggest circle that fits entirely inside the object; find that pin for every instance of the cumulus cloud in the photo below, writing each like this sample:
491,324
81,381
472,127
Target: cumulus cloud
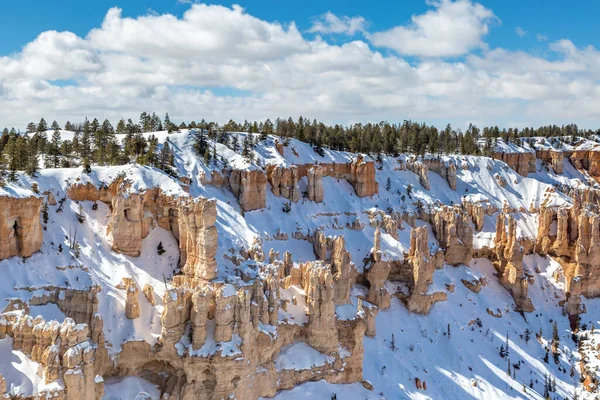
164,63
330,23
452,28
520,32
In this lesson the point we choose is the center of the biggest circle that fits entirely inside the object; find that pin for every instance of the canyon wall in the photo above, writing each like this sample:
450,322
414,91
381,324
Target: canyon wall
20,226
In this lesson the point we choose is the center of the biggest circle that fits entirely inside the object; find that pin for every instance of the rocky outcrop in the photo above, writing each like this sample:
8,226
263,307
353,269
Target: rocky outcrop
20,226
478,211
419,168
125,225
453,230
63,350
423,266
522,163
509,255
322,330
132,305
315,184
198,237
588,160
377,274
244,323
285,180
552,157
250,187
446,169
333,251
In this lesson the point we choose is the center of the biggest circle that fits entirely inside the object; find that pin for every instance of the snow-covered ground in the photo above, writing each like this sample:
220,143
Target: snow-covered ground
464,364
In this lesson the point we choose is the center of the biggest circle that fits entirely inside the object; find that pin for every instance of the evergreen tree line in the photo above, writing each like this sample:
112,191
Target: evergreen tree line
92,144
95,143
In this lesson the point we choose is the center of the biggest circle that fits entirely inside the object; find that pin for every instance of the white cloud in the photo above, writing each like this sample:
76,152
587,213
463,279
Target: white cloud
331,23
163,63
541,38
452,28
520,32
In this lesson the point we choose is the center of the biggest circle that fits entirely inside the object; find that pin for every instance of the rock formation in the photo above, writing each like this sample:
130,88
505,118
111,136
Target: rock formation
125,225
423,266
446,169
250,187
523,163
198,237
285,180
509,254
20,226
453,230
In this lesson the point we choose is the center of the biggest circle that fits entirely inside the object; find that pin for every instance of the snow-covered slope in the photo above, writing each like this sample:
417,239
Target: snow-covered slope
454,349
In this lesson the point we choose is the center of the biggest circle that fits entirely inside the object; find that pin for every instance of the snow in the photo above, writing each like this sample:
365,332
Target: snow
300,356
50,312
130,388
447,364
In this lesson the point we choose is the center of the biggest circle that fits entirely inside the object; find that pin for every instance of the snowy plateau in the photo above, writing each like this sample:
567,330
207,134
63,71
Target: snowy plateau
305,275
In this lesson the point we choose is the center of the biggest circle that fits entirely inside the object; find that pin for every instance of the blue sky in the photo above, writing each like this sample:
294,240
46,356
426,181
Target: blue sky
505,62
555,19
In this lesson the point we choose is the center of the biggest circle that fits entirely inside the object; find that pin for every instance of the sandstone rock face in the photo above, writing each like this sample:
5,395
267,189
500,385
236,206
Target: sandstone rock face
522,163
477,212
246,317
315,184
63,350
20,226
509,254
250,187
125,225
553,157
333,250
588,160
284,180
446,170
322,331
423,266
421,170
362,177
453,231
198,237
132,305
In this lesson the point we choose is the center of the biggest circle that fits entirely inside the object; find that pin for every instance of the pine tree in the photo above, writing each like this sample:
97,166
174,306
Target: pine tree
42,126
121,127
502,352
247,152
235,143
200,142
527,335
151,157
55,126
2,170
32,167
53,151
85,149
388,184
167,124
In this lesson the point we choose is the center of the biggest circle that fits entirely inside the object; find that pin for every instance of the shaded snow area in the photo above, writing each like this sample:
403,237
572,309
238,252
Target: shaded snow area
130,388
301,356
465,364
